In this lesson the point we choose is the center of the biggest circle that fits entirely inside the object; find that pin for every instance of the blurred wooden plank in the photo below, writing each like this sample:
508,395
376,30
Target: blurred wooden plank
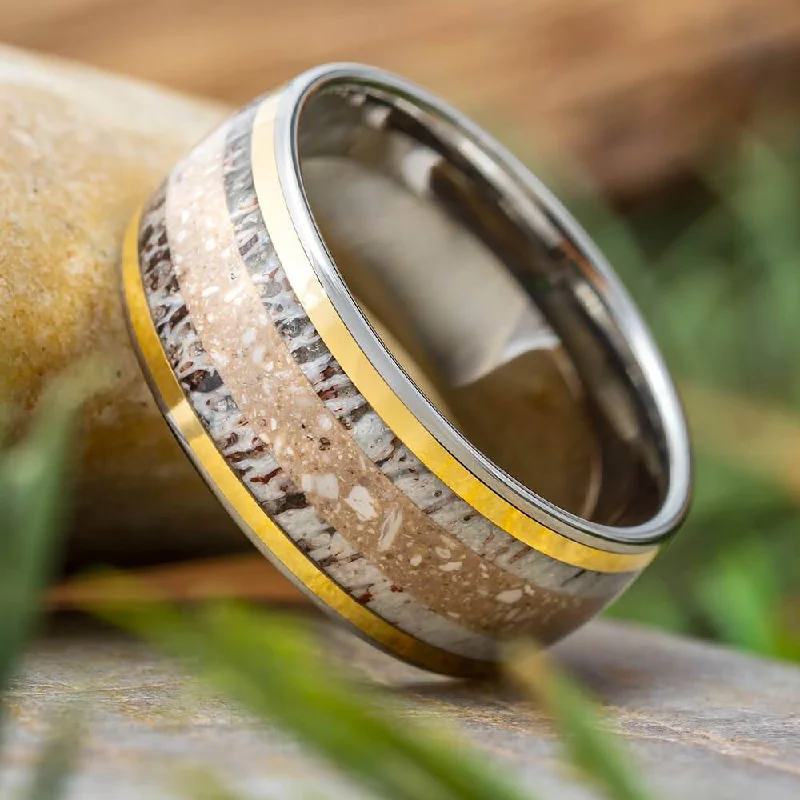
701,721
246,577
636,89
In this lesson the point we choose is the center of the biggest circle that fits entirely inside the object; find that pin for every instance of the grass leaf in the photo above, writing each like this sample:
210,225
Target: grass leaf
57,761
596,753
205,785
738,598
34,487
274,668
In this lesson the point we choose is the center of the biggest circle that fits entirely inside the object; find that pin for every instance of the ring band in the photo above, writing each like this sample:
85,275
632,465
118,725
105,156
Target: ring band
328,296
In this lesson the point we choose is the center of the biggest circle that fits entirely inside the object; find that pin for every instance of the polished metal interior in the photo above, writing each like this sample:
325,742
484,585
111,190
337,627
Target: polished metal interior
486,303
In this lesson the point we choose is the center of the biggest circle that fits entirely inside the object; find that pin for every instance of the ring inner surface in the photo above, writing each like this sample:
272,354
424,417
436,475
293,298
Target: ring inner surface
484,301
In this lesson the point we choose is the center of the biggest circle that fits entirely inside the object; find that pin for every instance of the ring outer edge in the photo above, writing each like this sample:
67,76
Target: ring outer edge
242,506
299,269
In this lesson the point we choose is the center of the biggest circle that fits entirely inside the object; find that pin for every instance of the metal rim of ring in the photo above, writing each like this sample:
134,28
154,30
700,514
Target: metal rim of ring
566,549
479,146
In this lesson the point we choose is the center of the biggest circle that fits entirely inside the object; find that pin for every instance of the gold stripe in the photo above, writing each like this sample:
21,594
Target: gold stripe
246,510
224,327
378,393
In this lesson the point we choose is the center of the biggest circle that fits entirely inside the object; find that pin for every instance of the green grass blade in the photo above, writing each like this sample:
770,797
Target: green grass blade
738,598
433,755
204,785
273,667
33,492
764,193
57,761
596,753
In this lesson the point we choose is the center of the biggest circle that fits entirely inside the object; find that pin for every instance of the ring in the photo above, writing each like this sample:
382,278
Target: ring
405,370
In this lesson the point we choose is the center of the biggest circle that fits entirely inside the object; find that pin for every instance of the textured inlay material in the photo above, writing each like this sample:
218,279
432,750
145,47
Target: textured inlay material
251,458
307,440
307,446
342,398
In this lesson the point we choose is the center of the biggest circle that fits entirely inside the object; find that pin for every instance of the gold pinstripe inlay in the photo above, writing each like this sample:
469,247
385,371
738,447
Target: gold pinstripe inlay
249,515
378,393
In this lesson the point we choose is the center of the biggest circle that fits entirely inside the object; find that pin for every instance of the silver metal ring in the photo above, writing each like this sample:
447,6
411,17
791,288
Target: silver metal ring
404,369
543,213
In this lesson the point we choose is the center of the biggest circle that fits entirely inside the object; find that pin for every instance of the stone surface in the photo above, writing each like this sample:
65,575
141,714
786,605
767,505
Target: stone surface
701,721
79,151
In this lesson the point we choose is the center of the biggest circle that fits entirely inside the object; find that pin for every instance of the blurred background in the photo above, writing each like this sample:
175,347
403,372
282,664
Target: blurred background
672,131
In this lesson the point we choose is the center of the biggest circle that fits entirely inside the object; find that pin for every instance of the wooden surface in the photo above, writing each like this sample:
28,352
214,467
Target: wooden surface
635,88
246,576
702,722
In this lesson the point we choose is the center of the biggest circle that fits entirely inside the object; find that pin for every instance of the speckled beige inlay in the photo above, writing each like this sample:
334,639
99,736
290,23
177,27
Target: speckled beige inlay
251,460
310,444
335,388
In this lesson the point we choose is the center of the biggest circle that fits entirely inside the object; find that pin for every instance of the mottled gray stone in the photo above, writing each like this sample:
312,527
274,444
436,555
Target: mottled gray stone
702,721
